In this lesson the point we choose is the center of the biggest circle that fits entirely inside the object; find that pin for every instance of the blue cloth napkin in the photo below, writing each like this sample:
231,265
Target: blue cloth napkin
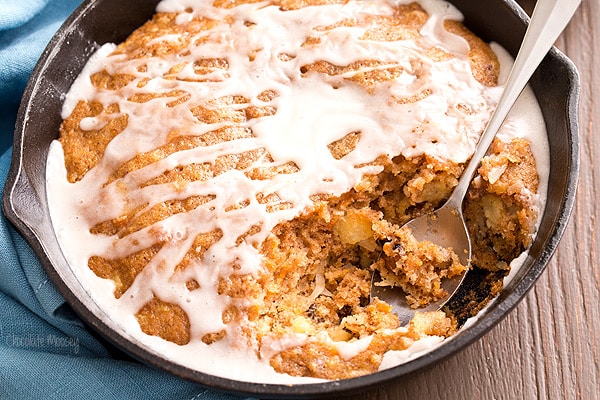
46,352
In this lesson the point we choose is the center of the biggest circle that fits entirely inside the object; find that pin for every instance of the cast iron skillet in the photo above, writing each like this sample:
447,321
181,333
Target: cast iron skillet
556,84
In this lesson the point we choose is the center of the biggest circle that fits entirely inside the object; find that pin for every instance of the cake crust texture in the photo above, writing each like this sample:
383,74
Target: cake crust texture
243,168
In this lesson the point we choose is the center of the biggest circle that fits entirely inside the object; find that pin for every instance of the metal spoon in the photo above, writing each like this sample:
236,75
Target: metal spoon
446,226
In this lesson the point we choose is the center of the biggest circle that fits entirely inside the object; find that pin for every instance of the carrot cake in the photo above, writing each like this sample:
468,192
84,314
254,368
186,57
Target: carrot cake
229,178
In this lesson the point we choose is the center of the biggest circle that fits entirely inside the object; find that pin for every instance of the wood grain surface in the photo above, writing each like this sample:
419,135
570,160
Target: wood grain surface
548,347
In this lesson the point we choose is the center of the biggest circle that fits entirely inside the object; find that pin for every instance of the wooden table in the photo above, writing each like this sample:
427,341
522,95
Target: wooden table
549,346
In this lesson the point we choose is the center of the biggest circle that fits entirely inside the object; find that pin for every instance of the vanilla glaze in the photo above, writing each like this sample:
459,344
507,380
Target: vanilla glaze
312,111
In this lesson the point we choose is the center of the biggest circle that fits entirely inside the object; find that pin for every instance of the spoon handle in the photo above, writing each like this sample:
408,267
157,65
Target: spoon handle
548,20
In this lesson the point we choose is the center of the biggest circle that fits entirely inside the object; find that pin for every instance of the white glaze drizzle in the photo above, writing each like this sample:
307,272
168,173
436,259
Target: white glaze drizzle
310,115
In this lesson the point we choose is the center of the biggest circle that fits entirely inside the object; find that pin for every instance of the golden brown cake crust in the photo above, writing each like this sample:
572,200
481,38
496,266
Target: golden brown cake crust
317,266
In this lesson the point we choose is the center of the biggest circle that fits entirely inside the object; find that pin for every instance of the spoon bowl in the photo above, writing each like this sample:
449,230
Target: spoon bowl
446,226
